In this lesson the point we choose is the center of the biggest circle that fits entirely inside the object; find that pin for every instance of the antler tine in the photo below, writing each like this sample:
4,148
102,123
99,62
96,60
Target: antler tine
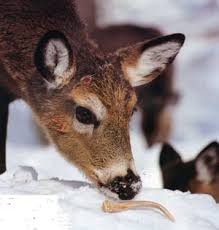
109,206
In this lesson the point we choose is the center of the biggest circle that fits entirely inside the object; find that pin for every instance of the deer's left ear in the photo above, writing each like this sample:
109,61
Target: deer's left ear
145,61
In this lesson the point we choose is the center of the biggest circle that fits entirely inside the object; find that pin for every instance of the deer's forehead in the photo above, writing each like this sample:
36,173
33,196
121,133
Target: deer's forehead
115,91
119,98
105,99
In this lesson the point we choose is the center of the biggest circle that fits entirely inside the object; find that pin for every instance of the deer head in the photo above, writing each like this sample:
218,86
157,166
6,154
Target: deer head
200,175
84,101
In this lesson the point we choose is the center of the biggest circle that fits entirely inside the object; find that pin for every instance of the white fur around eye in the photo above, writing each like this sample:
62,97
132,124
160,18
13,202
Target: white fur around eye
82,128
152,59
93,103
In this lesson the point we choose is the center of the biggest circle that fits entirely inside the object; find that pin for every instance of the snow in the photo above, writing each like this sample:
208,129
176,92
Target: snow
41,190
36,200
62,204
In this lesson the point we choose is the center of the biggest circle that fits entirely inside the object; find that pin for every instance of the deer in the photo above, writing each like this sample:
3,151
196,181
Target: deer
82,98
199,175
155,100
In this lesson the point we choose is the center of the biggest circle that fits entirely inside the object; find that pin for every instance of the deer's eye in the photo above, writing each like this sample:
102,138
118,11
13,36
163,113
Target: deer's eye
85,116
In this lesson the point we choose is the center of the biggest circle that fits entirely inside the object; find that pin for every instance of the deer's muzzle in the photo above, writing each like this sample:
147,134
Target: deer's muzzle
125,187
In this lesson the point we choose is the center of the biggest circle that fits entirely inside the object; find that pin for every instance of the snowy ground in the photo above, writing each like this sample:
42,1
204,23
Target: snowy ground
30,199
71,205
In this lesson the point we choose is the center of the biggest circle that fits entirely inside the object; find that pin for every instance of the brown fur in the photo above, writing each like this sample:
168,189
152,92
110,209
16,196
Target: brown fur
155,97
17,47
211,189
27,28
184,175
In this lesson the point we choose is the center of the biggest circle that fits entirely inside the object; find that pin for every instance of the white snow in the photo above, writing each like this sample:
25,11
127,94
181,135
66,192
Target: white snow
30,199
58,204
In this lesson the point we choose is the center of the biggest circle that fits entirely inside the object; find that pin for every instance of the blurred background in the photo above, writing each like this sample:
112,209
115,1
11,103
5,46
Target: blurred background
195,117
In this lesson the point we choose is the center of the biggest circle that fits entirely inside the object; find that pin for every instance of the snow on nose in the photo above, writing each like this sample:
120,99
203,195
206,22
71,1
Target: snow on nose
125,187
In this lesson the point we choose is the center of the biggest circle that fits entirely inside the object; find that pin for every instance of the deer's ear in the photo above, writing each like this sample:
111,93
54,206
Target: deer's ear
169,157
207,163
145,61
54,59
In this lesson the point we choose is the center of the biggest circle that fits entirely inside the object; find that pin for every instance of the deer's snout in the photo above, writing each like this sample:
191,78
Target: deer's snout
126,187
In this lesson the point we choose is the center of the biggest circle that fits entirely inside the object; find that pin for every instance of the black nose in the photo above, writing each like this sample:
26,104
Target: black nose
126,187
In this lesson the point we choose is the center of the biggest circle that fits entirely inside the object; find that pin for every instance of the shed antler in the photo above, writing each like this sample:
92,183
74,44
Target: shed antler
109,206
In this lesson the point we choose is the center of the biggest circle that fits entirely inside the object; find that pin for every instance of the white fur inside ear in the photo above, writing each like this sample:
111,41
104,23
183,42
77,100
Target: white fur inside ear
204,173
57,59
152,59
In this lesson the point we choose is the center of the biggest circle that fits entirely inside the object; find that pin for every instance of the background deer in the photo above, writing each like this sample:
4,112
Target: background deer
154,99
82,98
200,175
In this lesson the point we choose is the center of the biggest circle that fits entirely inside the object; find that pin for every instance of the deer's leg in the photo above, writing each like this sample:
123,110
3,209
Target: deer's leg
4,104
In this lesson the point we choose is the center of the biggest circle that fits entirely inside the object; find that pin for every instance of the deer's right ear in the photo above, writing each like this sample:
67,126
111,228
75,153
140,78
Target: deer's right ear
145,61
207,163
169,157
54,59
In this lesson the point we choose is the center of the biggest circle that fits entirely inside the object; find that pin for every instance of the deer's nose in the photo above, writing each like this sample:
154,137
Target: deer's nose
125,187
